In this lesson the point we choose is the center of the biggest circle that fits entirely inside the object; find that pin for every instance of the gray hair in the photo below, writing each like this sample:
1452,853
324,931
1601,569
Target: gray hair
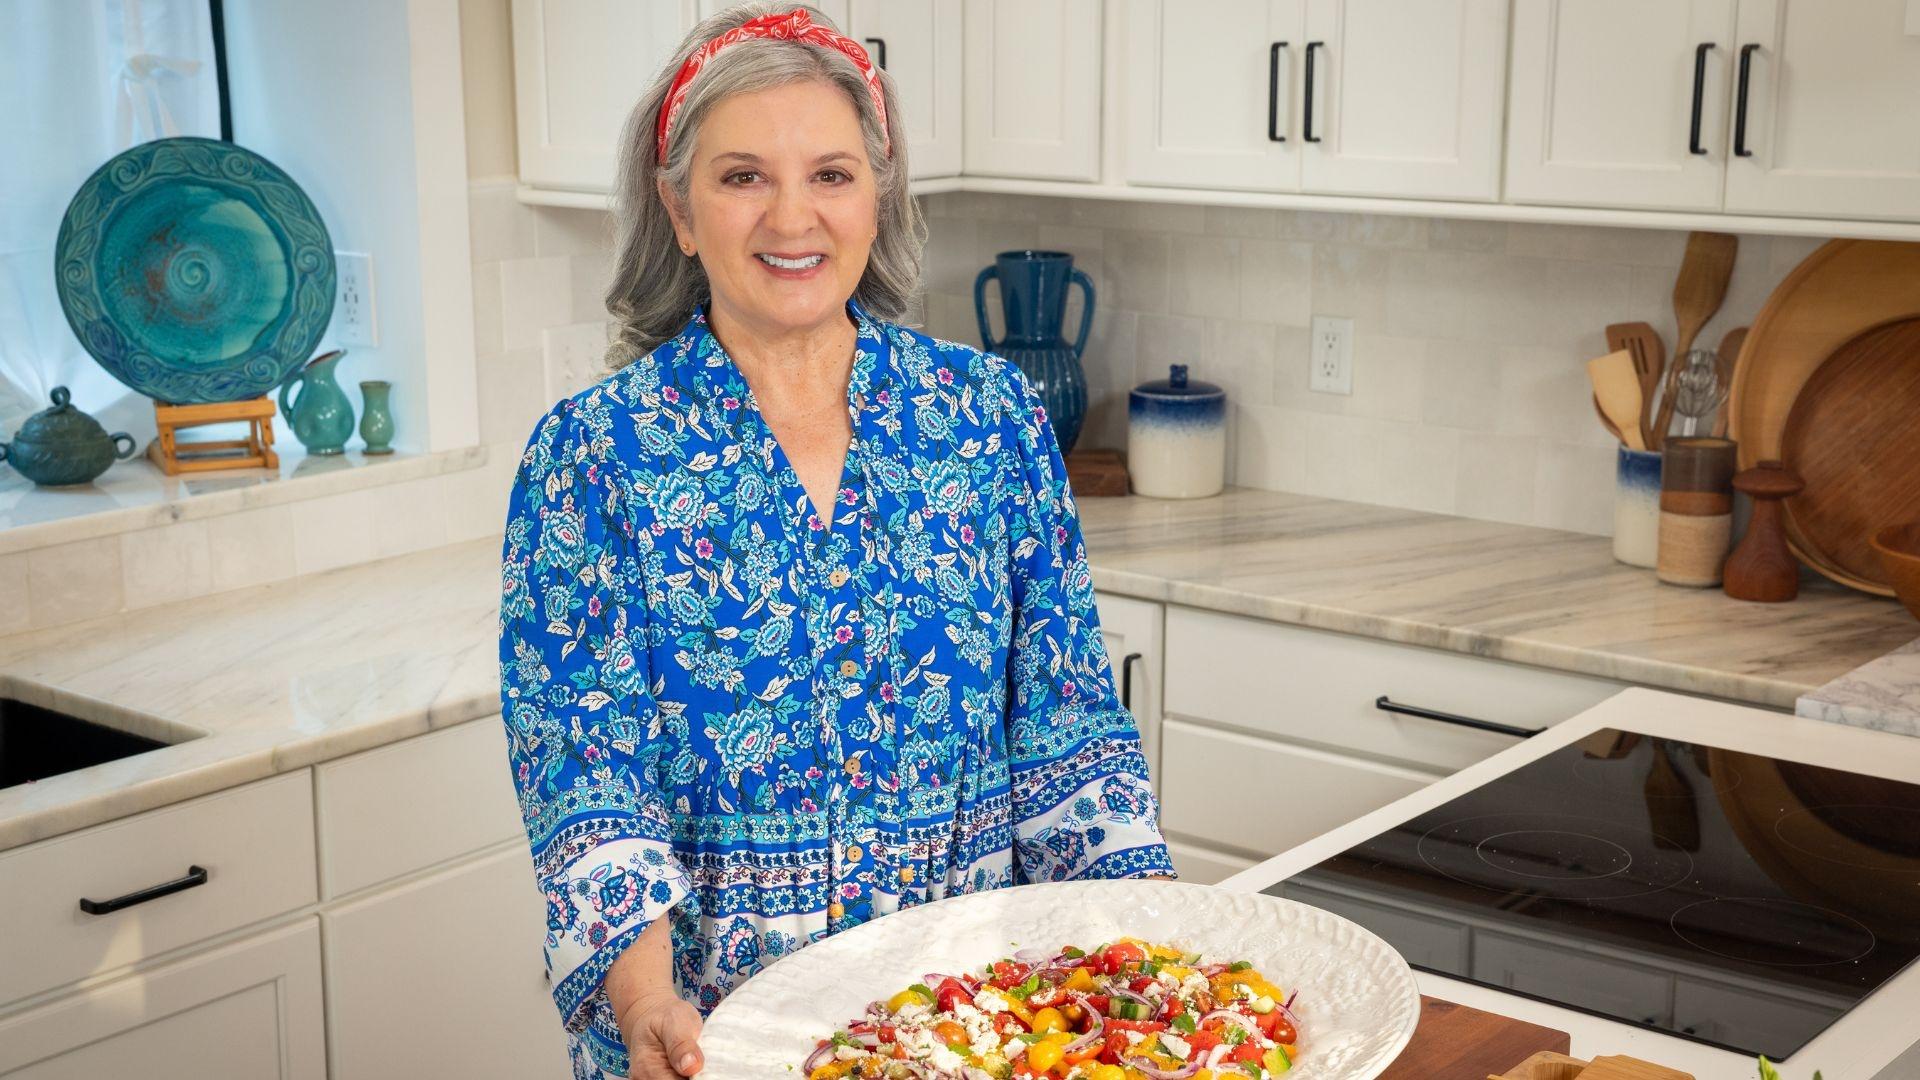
656,287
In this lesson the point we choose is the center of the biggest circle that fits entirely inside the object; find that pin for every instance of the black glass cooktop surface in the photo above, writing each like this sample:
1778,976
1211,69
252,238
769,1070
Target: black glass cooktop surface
1737,900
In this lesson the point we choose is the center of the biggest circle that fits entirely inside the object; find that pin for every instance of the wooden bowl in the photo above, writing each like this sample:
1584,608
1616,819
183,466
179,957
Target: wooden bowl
1899,549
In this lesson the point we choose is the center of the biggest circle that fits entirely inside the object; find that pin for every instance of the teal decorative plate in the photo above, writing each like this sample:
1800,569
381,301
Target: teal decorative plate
195,271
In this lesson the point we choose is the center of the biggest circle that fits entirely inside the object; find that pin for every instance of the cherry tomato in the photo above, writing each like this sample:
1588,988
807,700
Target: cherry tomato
1140,984
1008,974
1006,1024
1114,1048
949,993
889,1033
1246,1051
1123,953
1098,1003
950,1033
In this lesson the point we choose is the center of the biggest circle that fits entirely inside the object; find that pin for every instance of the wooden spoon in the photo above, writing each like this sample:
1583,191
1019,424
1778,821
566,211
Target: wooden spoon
1697,294
1616,388
1729,367
1649,358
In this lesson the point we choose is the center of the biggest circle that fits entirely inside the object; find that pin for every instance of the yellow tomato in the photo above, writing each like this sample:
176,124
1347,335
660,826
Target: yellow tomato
1079,980
832,1070
1073,1013
1107,1072
1177,971
1049,1020
903,999
1161,952
1042,1056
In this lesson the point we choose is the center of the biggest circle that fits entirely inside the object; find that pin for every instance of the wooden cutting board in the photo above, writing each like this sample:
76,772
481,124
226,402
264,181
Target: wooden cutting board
1453,1042
1853,437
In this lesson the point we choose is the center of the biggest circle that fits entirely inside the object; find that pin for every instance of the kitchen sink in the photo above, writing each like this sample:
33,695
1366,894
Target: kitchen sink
37,742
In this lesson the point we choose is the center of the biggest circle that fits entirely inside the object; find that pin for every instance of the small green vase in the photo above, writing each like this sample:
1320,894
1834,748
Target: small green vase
376,415
321,416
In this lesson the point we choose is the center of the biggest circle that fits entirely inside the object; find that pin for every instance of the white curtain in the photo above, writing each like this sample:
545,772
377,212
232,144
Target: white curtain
80,81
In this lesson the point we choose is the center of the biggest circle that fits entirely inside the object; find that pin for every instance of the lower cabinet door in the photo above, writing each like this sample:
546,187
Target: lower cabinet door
249,1010
443,976
1202,865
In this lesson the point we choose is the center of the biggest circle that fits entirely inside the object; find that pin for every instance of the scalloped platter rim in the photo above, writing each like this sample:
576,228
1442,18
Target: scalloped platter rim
1358,1000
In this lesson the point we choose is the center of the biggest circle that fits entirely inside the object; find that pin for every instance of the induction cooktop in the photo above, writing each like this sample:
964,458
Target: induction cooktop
1737,900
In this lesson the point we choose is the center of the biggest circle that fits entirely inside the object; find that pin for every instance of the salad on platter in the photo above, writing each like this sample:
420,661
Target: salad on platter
1125,1010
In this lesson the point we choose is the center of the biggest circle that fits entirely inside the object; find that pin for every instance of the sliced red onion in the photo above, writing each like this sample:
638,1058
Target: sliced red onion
1210,970
1217,1054
1147,1067
1124,994
1089,1038
818,1058
1031,957
1233,1018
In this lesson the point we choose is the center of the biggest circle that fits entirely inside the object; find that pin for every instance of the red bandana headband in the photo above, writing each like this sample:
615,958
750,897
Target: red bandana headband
791,26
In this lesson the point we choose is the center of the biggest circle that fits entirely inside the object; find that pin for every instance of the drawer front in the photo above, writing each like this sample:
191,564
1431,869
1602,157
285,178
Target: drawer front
414,804
1202,865
1320,687
254,842
244,1011
1232,791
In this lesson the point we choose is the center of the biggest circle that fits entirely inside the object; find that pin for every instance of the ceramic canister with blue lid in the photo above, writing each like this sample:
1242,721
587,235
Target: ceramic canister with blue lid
1177,437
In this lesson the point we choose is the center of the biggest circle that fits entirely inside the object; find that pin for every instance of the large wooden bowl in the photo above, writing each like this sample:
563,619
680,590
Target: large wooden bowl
1839,292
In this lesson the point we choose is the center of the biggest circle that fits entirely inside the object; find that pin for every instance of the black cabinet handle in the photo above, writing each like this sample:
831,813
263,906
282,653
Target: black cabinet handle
1386,704
1699,93
195,876
1273,92
1740,103
879,57
1126,680
1307,117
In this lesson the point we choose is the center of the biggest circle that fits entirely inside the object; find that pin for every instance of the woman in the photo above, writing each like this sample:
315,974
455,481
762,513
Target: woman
796,624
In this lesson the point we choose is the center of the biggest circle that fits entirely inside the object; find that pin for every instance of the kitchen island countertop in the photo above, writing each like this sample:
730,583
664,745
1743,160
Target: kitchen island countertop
287,675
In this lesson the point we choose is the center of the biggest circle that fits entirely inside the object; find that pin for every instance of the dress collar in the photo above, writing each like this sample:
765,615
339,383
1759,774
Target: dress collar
707,358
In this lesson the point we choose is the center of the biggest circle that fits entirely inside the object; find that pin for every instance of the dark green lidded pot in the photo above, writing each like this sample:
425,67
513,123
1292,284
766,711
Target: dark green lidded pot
63,445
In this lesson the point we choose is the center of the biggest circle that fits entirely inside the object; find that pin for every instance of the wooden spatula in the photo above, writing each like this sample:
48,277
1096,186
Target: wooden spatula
1616,387
1649,360
1729,367
1697,293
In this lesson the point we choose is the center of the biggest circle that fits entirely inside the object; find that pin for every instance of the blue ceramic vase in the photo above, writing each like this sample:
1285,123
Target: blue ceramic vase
1033,300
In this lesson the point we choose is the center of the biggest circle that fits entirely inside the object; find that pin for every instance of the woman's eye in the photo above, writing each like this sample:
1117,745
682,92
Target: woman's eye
834,176
743,176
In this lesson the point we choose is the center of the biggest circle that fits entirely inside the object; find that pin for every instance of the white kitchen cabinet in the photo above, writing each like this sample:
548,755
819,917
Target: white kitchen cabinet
1033,88
1601,97
1212,93
920,40
1320,688
1261,796
1830,109
1131,630
443,976
1403,99
243,1011
1204,865
579,68
832,9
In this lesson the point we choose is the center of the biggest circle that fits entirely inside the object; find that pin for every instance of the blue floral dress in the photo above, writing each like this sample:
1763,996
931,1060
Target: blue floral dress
771,724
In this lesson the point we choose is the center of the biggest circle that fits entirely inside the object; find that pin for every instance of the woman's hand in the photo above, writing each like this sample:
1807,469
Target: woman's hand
662,1034
661,1029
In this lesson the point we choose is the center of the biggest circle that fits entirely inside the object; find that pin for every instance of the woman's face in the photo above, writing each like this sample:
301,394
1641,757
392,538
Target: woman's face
781,206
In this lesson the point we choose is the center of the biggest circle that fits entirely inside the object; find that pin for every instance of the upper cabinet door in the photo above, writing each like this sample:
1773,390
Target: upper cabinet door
1212,93
919,42
1033,88
1603,96
1404,99
1833,92
832,9
579,68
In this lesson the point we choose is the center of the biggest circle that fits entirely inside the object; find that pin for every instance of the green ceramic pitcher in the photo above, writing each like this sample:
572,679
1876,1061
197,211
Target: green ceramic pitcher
321,416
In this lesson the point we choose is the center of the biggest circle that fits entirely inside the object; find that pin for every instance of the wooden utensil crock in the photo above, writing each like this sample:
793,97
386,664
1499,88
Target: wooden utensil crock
1762,568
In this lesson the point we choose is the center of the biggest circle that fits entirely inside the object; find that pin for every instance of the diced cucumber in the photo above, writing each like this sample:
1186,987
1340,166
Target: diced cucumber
1276,1060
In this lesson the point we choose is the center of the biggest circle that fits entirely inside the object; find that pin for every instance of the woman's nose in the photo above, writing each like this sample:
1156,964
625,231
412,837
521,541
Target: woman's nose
793,211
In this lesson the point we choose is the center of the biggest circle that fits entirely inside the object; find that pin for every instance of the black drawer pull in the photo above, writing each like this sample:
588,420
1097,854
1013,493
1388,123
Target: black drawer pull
1699,93
1126,681
1386,704
1307,111
195,876
1740,103
1273,92
879,57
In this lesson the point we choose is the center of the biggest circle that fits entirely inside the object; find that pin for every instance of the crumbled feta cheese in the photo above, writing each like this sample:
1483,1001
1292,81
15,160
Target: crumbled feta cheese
1194,983
1175,1044
848,1053
990,1001
1135,1038
1167,980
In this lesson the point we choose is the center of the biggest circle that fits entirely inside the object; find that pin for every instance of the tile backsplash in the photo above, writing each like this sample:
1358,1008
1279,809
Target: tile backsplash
1469,388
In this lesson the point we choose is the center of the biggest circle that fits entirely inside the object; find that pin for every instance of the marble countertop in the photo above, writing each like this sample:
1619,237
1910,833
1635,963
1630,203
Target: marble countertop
283,676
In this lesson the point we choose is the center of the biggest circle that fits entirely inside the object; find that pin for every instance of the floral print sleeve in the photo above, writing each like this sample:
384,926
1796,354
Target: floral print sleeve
579,714
1082,804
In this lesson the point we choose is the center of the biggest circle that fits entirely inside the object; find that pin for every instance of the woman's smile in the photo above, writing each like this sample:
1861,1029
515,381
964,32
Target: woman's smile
792,267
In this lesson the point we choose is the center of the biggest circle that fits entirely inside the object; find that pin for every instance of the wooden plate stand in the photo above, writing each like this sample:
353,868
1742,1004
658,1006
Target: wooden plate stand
253,452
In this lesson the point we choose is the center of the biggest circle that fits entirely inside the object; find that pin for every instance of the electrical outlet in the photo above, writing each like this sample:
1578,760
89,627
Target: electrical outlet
1330,355
353,313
